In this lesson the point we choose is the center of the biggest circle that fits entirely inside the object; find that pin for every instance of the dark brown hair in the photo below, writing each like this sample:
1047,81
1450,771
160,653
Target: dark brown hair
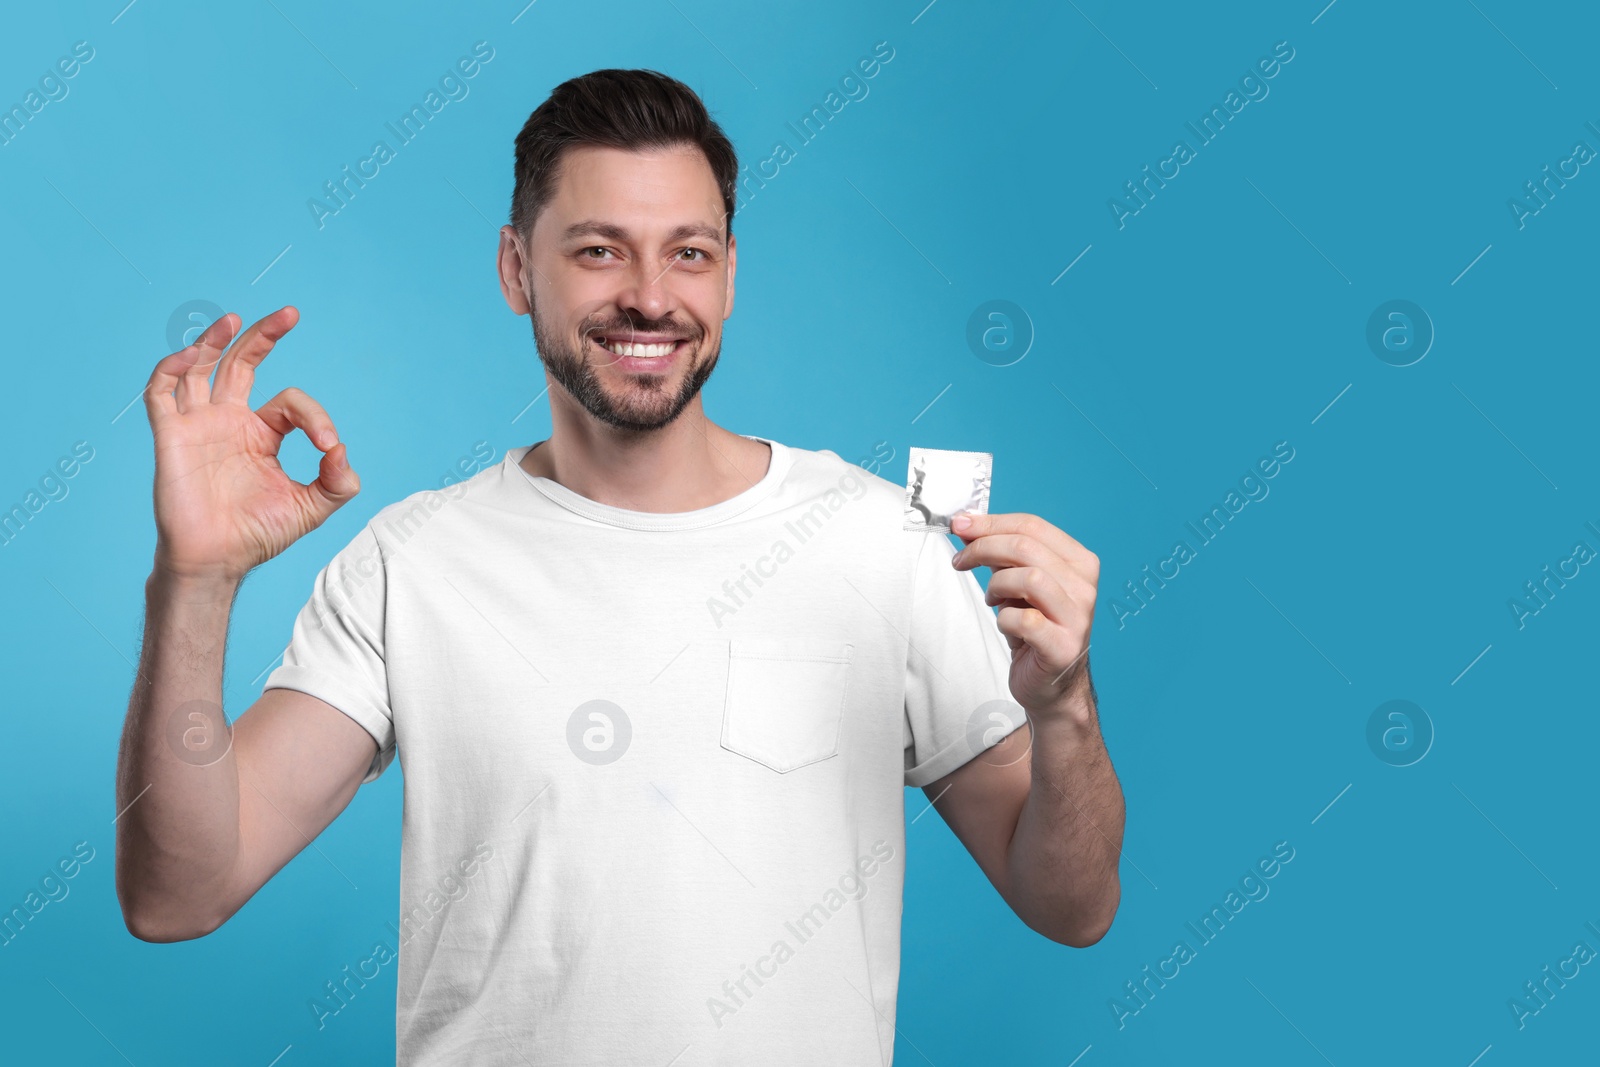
631,109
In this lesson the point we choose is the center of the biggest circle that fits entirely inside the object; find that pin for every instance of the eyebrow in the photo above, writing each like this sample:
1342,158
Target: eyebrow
613,232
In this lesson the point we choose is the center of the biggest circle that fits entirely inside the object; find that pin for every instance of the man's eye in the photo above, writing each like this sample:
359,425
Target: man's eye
697,252
595,248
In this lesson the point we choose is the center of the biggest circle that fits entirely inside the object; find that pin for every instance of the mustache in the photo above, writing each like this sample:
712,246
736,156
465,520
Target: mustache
622,330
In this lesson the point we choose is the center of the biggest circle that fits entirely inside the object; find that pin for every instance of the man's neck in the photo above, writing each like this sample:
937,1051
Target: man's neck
688,465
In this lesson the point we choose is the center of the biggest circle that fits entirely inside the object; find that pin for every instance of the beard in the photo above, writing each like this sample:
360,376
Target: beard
648,402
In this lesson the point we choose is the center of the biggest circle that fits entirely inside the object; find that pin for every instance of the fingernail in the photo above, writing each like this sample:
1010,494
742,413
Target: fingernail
960,523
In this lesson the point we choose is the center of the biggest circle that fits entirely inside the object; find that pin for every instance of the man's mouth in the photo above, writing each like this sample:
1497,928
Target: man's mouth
637,349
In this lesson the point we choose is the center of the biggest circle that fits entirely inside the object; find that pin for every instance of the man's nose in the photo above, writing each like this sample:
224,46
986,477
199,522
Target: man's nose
647,290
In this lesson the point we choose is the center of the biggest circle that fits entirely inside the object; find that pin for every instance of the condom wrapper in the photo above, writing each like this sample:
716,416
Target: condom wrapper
941,483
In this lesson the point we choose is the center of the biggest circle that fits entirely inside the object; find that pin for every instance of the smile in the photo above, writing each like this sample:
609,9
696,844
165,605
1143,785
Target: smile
638,350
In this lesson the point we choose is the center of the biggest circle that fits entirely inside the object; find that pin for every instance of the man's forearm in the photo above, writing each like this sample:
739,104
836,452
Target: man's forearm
1064,853
177,780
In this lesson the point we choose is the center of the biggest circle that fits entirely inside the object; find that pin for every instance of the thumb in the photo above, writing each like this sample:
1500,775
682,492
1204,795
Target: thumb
336,483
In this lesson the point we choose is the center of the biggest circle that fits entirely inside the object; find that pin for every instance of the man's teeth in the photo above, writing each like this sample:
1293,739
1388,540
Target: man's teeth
626,348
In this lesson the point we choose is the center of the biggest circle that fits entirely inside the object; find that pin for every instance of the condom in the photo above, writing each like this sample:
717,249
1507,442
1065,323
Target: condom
940,484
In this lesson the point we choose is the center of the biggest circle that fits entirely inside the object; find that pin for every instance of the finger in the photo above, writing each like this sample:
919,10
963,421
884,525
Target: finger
292,409
1036,587
236,374
1014,642
1050,642
170,370
194,384
998,551
1056,539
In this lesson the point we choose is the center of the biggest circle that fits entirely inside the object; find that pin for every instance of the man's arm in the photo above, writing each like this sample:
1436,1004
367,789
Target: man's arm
206,820
1041,812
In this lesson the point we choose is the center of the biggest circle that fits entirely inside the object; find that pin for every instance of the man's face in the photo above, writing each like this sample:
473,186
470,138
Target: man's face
627,281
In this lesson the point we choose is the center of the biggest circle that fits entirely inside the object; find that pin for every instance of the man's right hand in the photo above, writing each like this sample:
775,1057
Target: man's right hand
223,502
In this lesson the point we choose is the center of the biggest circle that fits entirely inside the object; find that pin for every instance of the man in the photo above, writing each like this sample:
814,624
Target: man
656,687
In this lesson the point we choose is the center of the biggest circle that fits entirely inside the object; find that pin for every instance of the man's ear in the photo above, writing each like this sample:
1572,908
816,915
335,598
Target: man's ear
512,272
733,263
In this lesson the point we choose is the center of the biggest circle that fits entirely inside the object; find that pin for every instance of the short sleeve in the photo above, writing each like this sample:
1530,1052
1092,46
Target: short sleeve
336,650
958,666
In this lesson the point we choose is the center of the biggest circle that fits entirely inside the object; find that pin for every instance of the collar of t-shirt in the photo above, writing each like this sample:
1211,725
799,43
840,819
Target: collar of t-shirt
777,468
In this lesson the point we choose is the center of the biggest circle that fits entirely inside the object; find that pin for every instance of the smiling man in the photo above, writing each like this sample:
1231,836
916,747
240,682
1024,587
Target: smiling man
674,835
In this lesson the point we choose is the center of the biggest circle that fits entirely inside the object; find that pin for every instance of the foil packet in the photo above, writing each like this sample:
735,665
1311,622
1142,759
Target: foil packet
942,483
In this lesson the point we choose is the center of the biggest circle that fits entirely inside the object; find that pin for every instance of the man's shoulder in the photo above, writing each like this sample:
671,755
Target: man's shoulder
399,521
816,471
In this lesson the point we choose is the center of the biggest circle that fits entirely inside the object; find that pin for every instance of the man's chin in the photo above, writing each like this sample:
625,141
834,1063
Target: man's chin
637,401
641,406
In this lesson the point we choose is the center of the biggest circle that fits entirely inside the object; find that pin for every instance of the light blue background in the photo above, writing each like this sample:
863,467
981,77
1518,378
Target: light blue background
1206,330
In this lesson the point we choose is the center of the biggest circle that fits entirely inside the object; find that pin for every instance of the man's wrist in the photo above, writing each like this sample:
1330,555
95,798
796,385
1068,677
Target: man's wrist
191,586
1072,720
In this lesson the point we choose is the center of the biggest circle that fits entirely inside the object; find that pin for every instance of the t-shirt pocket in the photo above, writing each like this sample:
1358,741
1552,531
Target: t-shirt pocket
785,701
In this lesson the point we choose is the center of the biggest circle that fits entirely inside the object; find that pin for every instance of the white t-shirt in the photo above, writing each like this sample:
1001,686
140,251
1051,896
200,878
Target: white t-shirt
654,764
